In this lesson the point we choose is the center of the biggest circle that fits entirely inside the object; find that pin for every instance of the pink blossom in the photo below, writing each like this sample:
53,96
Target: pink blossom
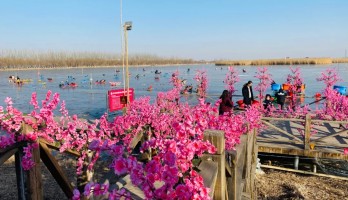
119,166
94,145
170,158
88,188
183,192
117,150
33,101
231,79
202,83
76,194
8,101
264,81
170,175
173,131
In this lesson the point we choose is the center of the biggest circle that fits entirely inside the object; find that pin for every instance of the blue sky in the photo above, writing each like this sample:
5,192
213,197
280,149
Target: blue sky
199,29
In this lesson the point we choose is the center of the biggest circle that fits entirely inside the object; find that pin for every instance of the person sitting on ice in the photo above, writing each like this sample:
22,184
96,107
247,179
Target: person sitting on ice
267,103
226,104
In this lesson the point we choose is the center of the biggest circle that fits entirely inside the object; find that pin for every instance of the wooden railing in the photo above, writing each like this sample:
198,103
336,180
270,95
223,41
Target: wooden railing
31,180
241,167
307,142
228,174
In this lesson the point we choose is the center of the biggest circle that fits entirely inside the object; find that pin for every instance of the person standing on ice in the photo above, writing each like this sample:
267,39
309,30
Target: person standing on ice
281,98
247,91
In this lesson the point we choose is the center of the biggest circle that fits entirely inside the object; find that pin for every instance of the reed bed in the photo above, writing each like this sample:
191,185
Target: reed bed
340,60
285,61
27,60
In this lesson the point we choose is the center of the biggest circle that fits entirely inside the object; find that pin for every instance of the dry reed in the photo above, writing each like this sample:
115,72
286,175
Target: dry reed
340,60
285,61
27,60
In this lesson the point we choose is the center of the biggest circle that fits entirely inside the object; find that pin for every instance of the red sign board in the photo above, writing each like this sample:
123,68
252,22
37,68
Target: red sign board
117,99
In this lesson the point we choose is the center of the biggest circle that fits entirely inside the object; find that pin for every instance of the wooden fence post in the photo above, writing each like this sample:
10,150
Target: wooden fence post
34,177
254,155
34,181
307,132
248,159
20,174
86,175
217,138
236,168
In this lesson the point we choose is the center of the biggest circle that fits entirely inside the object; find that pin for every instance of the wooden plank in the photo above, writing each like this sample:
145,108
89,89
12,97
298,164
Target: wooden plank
209,173
6,155
246,196
283,119
236,168
305,172
228,170
301,152
219,192
217,138
282,131
230,189
136,140
14,146
57,172
52,146
86,175
331,145
247,166
271,140
239,149
329,121
332,135
34,177
307,132
135,192
253,165
253,192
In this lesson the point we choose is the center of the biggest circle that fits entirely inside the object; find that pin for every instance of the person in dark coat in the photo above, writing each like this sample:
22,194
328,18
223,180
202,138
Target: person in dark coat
281,98
267,103
226,104
247,92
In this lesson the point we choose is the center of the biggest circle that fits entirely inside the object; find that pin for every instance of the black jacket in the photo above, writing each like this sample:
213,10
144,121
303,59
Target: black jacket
267,103
245,92
280,96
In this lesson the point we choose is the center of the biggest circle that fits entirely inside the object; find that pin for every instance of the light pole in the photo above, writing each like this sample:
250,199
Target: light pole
127,27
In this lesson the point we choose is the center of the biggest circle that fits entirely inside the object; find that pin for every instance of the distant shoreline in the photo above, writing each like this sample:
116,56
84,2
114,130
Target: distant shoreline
94,67
283,61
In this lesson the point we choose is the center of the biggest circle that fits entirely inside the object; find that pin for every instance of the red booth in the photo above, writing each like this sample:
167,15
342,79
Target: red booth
117,99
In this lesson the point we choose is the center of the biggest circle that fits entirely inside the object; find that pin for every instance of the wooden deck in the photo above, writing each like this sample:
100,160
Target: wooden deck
303,137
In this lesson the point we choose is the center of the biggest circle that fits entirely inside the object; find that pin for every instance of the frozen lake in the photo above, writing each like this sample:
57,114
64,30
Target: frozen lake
89,101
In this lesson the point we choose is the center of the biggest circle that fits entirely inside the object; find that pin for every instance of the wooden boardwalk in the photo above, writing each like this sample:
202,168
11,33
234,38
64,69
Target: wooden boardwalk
303,137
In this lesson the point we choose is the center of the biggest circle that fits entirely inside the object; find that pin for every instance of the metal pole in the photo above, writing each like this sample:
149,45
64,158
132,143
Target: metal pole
122,47
127,68
297,160
314,167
